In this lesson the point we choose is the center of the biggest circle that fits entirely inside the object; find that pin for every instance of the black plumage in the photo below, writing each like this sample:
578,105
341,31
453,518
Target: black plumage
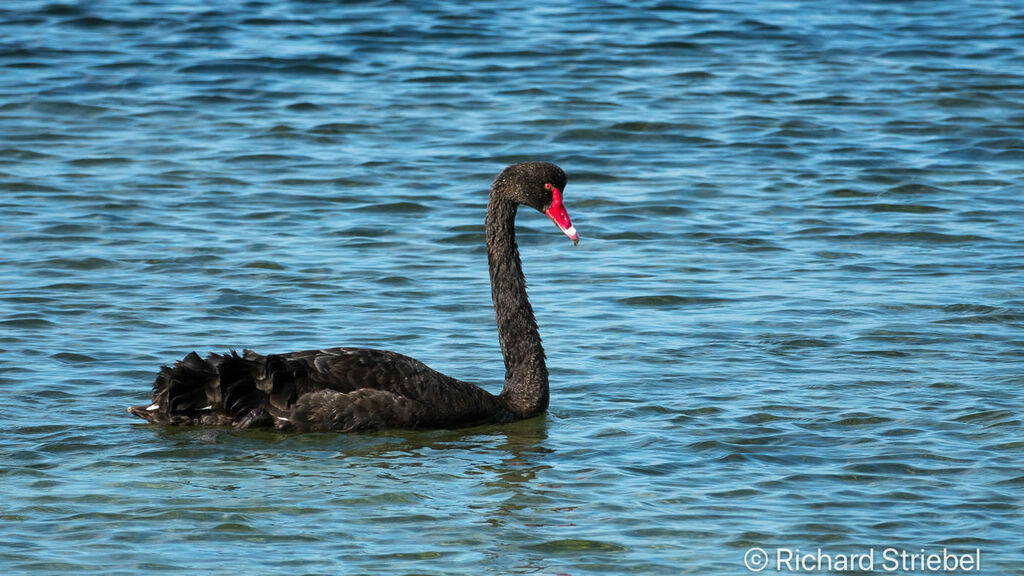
353,389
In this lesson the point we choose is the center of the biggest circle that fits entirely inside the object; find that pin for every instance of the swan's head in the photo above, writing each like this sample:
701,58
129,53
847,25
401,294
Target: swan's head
538,185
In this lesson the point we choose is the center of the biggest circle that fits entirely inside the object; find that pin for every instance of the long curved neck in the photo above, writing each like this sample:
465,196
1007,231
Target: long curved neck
526,375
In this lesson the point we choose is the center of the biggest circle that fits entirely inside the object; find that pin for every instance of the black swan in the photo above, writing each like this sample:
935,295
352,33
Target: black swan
354,389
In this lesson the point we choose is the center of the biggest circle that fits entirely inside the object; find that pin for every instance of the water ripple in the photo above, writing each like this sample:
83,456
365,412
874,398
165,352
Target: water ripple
794,319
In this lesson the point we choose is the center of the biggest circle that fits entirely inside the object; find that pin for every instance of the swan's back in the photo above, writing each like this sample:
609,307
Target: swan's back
342,389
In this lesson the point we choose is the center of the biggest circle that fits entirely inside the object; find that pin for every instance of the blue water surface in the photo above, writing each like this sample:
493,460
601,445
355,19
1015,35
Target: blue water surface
795,318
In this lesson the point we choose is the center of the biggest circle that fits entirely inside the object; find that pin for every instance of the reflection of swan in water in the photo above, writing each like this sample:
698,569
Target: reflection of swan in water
524,455
485,484
352,389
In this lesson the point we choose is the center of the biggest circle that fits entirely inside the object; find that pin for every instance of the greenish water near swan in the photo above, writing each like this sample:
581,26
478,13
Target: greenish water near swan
795,318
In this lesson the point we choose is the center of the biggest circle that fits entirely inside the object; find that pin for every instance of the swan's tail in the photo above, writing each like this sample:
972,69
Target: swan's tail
220,390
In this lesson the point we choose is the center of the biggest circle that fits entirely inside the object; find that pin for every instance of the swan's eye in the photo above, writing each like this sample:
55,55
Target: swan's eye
548,186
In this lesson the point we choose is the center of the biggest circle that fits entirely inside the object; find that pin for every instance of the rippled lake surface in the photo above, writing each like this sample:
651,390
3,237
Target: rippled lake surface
795,319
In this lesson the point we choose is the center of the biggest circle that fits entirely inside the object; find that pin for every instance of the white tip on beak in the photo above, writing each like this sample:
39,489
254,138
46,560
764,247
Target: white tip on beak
571,233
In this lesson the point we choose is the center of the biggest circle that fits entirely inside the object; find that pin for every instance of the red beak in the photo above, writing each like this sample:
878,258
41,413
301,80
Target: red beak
560,217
